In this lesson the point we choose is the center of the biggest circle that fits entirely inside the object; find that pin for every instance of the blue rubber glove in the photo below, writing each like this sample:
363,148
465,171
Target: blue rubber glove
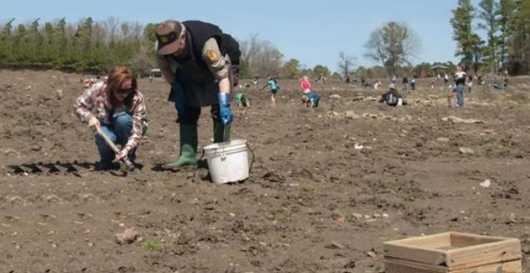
177,95
225,113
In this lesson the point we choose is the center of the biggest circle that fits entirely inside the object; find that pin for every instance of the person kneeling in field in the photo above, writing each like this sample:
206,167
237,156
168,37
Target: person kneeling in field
310,97
116,108
392,97
242,100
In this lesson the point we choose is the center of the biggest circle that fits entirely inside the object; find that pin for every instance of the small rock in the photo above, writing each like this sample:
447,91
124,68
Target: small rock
36,148
335,96
357,216
442,139
371,254
127,237
350,265
59,93
358,146
352,115
335,245
486,183
465,150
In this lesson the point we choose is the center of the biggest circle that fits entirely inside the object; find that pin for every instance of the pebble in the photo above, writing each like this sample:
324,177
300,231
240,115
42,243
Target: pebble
465,150
357,216
486,183
128,236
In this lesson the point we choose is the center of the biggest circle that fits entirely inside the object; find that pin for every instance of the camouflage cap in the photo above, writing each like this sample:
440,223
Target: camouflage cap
168,35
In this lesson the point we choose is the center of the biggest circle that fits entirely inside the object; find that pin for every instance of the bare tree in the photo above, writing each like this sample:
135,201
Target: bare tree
346,64
111,25
392,45
260,57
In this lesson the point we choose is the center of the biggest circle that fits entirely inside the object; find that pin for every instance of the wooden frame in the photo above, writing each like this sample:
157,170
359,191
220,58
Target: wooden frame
453,252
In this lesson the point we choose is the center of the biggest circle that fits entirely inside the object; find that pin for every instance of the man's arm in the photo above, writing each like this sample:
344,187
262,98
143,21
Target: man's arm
165,68
218,64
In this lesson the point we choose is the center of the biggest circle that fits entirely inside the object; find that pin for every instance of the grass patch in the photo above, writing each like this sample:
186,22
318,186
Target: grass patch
152,245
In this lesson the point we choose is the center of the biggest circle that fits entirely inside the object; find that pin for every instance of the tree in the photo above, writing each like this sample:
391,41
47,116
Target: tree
321,71
392,45
488,15
468,42
346,64
519,47
6,41
507,9
260,58
291,69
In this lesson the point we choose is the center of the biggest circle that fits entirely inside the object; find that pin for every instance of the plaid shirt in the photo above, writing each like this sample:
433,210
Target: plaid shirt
94,102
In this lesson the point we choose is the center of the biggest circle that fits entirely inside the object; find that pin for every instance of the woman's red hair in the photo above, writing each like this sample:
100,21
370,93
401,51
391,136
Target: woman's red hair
116,77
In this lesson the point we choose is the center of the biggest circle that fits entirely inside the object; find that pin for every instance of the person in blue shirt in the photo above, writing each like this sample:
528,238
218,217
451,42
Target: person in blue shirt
273,85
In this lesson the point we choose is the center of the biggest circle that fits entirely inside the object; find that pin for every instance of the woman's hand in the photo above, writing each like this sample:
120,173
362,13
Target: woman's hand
93,122
121,155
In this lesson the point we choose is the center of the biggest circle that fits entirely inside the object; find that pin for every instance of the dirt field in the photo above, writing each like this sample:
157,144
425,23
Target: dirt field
328,187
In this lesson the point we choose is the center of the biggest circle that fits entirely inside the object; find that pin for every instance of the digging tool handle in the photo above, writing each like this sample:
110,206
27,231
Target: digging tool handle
108,140
126,161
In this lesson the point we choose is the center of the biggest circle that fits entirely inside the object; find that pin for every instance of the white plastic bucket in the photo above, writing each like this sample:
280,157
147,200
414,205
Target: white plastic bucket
228,161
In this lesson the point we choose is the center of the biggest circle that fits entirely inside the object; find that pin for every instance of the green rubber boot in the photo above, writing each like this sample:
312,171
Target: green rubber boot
221,132
188,148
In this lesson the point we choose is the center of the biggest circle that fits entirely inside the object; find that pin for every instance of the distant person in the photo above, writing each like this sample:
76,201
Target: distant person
392,97
413,83
117,108
460,85
469,83
446,78
274,86
377,84
310,97
241,99
305,84
405,83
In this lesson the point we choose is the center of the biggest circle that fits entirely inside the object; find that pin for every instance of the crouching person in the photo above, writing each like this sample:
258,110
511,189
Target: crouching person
392,97
311,99
242,100
116,108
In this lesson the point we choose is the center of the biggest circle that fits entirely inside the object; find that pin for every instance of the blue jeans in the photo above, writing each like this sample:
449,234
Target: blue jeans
459,89
119,132
314,98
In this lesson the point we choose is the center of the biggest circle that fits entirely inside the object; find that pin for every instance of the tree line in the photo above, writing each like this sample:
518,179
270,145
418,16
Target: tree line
505,25
90,46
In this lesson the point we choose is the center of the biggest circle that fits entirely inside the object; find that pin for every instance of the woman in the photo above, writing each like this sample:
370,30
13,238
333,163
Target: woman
310,97
117,108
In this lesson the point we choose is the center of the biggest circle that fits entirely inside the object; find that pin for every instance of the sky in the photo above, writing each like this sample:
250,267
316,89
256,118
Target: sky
312,31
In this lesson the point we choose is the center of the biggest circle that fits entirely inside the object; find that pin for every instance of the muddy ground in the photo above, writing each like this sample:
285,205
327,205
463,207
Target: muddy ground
328,187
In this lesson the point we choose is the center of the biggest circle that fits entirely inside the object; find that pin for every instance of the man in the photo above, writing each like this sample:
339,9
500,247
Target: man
196,60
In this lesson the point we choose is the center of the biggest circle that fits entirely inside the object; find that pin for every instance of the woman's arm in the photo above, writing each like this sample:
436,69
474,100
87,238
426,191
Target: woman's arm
84,104
139,115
